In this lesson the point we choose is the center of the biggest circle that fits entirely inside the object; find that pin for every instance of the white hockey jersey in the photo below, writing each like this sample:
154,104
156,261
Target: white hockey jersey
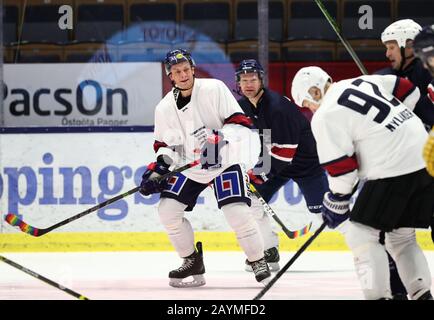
212,106
363,131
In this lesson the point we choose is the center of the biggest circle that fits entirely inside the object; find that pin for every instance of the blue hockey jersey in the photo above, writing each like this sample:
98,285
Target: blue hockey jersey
292,146
421,78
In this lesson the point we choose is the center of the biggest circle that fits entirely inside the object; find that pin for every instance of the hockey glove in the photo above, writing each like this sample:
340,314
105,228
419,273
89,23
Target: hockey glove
210,157
428,153
336,209
256,179
149,184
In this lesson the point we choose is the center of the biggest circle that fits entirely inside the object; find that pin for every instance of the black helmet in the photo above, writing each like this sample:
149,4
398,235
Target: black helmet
177,56
423,46
248,66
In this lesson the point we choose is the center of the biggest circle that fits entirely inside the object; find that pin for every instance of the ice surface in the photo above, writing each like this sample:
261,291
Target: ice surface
143,275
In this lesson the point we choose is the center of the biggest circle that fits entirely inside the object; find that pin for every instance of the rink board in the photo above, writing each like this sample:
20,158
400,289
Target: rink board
47,178
158,241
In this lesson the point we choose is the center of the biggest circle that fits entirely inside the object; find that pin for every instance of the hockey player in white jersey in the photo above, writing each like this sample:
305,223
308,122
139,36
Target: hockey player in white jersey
200,119
364,132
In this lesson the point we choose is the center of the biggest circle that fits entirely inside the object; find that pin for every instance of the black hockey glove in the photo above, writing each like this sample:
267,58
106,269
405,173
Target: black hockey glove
154,170
210,157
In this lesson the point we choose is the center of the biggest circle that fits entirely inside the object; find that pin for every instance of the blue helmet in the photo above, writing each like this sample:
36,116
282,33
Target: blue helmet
249,66
177,56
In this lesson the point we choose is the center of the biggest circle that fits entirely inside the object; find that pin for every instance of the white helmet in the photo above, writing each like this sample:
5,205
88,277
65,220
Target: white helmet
305,79
401,31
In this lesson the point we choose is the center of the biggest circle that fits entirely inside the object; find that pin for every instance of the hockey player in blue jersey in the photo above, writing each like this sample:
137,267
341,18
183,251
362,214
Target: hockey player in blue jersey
398,40
424,49
290,144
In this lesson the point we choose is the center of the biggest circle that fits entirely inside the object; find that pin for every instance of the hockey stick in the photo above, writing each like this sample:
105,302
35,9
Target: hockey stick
13,219
298,253
270,211
347,46
42,278
290,262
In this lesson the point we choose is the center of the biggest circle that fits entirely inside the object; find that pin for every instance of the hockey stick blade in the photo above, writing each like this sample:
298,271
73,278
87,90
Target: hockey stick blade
42,278
291,234
15,221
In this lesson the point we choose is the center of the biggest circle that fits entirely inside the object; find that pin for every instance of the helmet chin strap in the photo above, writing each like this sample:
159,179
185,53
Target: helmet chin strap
177,88
259,91
404,59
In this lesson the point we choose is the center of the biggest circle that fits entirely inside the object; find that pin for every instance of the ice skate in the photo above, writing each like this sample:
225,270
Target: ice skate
261,270
272,257
426,296
191,267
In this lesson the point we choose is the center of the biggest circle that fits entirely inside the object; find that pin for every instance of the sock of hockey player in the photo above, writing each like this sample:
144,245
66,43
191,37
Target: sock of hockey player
271,240
239,217
181,235
192,266
411,262
370,261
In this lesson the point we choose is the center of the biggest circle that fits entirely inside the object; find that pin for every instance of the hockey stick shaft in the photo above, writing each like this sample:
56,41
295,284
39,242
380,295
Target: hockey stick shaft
42,278
290,262
270,211
344,41
298,253
15,221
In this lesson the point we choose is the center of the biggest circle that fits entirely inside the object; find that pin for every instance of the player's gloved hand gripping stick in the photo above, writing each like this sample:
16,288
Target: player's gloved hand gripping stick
13,219
210,157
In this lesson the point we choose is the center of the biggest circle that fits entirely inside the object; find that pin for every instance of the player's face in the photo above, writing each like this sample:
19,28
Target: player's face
183,75
250,84
393,53
316,95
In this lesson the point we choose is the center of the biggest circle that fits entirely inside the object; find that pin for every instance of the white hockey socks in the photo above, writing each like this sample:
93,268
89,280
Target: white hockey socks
410,261
370,261
269,237
178,228
239,217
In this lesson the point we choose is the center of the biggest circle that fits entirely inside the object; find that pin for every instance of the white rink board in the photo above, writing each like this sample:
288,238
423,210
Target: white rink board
81,94
37,182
